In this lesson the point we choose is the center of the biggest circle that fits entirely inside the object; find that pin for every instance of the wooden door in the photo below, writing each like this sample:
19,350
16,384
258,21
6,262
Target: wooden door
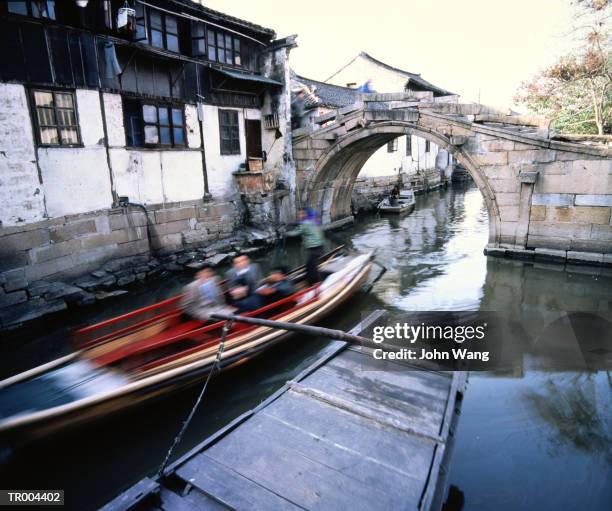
253,138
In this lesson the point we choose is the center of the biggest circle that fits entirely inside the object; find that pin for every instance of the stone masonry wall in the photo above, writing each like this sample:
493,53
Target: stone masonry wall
37,260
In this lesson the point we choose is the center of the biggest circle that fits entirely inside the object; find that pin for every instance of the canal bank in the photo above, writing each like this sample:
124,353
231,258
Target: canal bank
538,439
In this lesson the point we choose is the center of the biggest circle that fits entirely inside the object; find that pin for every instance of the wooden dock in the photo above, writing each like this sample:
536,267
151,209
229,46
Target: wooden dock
341,435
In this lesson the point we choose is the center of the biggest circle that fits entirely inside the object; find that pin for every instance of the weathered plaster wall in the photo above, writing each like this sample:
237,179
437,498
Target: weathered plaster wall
151,176
21,192
220,167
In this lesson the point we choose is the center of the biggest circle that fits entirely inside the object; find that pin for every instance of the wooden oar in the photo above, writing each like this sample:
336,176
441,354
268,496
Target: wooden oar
304,329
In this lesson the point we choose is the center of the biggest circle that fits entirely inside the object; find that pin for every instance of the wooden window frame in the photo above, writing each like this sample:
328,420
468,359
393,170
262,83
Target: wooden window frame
30,11
409,145
57,126
216,33
392,146
427,146
234,149
164,30
171,126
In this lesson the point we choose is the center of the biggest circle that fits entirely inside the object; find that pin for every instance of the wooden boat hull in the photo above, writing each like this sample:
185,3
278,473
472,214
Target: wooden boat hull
170,377
401,209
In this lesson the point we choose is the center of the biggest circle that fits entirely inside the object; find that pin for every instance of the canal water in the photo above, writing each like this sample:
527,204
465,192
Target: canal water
538,438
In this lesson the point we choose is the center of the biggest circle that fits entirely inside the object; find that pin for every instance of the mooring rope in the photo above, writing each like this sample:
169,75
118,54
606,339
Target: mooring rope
226,328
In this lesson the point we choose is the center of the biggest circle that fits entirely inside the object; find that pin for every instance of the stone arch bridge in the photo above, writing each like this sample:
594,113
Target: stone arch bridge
544,193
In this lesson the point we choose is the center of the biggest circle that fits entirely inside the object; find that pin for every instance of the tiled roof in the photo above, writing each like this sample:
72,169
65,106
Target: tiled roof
225,18
326,94
412,78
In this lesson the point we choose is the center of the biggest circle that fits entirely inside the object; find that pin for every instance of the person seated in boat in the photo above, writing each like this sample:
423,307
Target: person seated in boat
203,295
243,280
278,285
394,196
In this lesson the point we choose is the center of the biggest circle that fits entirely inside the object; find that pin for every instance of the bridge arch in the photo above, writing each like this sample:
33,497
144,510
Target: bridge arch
541,191
330,188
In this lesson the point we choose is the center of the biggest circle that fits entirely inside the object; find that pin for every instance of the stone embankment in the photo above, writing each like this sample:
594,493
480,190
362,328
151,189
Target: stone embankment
76,261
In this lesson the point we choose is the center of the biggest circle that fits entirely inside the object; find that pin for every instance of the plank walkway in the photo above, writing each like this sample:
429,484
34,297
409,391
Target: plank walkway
340,436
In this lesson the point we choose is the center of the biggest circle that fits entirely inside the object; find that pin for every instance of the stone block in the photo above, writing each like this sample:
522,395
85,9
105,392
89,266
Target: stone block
552,199
8,299
492,158
133,248
127,219
59,265
69,231
584,257
15,283
561,229
497,145
521,253
548,254
505,185
602,232
559,213
537,213
507,199
593,200
125,280
11,260
53,251
495,251
24,240
543,241
591,245
38,288
509,213
171,227
164,216
591,214
531,156
65,291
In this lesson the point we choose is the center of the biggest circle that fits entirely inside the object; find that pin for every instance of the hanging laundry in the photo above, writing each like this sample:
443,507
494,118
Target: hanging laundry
112,68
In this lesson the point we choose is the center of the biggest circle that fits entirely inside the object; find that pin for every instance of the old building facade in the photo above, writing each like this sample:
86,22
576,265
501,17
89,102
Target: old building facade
126,127
409,155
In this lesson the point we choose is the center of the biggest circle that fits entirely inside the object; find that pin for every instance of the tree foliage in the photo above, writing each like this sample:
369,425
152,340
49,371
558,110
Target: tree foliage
576,91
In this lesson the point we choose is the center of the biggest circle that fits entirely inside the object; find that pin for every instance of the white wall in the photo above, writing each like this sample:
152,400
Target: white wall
151,176
383,163
362,69
77,179
221,183
21,194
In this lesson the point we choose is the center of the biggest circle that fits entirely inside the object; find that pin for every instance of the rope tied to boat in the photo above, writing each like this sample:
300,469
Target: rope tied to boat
216,364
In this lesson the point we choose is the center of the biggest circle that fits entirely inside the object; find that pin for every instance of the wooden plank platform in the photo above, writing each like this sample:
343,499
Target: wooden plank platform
342,435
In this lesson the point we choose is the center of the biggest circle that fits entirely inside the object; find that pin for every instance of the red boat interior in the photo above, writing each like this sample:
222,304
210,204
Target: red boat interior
161,333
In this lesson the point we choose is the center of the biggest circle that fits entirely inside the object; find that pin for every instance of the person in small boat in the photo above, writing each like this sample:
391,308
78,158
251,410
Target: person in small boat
203,294
278,285
243,280
313,240
394,196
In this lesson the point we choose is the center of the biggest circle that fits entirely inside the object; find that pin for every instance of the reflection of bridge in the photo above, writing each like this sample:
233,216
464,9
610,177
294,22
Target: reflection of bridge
540,192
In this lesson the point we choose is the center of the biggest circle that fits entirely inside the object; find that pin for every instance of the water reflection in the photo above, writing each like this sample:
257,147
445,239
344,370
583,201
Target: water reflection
537,437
